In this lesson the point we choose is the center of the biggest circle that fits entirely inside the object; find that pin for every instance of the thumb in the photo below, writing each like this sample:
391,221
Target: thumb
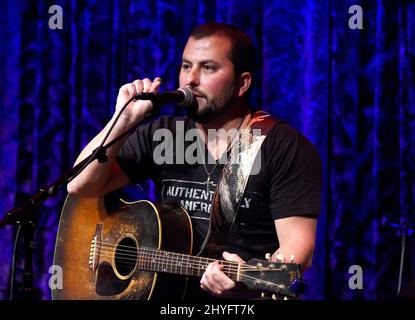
232,257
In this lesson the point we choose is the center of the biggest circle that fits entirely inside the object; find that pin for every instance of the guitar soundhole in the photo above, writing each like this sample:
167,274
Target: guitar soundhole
126,257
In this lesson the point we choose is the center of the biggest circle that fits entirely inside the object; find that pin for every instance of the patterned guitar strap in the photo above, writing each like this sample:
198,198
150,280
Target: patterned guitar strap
242,162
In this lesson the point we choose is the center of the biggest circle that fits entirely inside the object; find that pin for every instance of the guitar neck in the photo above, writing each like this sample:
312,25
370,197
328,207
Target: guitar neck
170,262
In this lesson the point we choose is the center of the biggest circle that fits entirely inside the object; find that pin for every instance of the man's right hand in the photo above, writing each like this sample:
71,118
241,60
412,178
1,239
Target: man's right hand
100,178
136,110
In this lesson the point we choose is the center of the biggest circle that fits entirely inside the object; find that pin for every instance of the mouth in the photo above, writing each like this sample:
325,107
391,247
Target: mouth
198,95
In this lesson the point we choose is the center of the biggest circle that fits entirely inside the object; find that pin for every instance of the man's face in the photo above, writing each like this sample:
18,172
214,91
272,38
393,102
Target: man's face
207,70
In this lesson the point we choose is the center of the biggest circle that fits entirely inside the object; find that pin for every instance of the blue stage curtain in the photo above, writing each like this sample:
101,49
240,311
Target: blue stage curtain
351,91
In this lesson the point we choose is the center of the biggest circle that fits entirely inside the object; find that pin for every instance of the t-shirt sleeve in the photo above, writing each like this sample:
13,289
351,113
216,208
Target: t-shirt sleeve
295,170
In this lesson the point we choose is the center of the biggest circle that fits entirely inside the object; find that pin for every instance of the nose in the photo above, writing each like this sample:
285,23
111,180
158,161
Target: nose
192,78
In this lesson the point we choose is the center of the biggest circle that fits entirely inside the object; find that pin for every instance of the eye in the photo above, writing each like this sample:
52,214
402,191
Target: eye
209,67
186,66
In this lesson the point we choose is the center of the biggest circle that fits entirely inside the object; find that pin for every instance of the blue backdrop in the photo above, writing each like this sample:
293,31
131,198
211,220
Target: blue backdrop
351,91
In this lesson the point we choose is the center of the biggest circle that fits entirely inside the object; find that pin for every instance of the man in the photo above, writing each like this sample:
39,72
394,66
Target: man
280,205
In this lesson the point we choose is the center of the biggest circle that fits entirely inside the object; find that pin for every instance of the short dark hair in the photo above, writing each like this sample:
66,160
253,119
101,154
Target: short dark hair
242,52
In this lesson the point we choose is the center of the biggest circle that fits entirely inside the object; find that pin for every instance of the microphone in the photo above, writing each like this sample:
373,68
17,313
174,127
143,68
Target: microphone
183,97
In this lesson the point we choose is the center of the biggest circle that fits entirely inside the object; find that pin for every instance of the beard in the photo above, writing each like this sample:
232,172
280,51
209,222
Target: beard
214,108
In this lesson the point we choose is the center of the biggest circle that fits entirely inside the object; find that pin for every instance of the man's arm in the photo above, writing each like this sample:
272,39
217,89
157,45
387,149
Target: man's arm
100,178
296,236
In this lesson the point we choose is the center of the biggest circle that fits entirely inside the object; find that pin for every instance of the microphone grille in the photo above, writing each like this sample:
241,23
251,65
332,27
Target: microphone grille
188,97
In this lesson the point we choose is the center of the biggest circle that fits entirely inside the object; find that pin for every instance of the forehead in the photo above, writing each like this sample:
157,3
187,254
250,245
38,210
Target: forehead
209,48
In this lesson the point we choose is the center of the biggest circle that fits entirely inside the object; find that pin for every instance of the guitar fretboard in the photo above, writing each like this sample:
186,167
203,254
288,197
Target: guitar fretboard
163,261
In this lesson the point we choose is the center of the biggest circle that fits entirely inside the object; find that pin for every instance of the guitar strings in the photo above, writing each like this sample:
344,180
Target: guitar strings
164,257
269,284
165,261
231,272
156,254
159,254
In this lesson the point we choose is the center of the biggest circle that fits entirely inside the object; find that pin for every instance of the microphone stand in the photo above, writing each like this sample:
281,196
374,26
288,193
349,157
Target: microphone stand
26,215
403,230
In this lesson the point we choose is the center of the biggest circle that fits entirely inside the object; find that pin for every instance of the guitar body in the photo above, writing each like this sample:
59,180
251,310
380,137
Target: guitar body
90,248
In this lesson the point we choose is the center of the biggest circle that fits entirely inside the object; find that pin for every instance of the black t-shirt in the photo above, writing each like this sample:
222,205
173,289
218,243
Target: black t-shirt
288,184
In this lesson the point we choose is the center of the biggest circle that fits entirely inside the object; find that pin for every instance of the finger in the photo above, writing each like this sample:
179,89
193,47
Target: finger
138,84
205,282
220,280
132,91
155,85
208,281
208,272
124,89
146,85
232,257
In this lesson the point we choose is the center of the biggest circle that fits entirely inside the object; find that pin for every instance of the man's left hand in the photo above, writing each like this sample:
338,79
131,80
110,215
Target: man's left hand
217,283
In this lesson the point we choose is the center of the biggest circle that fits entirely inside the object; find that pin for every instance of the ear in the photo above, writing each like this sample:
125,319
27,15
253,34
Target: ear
244,83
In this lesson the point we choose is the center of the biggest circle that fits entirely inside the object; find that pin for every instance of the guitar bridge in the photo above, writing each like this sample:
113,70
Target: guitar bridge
95,251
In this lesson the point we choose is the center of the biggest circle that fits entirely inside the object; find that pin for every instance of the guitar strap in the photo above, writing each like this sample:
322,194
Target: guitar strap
244,160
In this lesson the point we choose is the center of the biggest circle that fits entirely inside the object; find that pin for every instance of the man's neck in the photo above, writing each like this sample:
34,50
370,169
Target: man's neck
234,119
228,120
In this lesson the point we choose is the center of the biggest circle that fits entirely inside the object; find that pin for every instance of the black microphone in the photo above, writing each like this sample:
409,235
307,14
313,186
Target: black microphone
183,97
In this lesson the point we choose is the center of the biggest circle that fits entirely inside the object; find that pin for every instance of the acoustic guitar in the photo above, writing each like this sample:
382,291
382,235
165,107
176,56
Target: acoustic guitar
138,250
